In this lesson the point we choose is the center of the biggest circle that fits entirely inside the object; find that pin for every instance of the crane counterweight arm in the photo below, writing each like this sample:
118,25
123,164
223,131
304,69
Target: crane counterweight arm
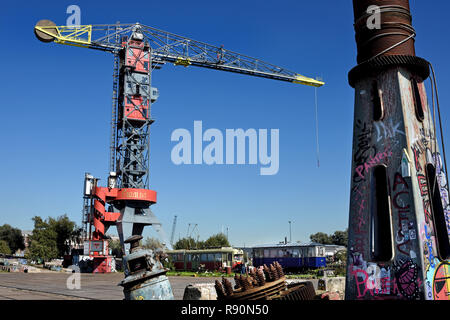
167,48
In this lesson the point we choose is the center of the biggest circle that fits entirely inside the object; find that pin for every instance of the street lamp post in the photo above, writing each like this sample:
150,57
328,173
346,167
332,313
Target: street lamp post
290,232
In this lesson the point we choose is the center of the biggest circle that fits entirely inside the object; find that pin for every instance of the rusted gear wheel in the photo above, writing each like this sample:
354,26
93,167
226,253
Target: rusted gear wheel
297,292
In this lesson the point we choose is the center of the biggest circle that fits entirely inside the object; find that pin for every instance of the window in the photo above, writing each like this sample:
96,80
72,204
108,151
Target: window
321,251
210,257
303,252
378,112
146,65
380,227
273,253
179,257
440,225
218,257
203,257
295,253
266,253
417,100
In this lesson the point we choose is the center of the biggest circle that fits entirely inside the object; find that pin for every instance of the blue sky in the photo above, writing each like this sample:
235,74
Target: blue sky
56,113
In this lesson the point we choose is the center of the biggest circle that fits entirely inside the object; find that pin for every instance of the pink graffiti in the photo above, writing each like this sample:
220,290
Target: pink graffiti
372,162
388,287
362,282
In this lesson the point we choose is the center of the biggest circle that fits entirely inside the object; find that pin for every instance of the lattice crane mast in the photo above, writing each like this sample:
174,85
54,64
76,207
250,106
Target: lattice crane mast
138,50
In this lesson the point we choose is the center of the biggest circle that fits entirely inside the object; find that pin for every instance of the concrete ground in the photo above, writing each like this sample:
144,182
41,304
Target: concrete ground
52,286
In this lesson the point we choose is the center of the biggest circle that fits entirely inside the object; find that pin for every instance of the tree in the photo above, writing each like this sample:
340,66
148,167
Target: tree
321,238
340,238
153,244
66,232
13,237
116,248
341,256
4,248
51,238
43,241
186,243
217,240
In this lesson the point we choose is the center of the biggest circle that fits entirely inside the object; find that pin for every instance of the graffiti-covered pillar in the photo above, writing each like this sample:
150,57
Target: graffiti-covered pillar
399,206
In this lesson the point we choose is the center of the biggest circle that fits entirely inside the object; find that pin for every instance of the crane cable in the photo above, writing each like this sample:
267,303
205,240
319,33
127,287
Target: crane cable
317,128
435,105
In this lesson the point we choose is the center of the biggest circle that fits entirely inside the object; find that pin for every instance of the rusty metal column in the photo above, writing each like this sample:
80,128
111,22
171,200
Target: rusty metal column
399,209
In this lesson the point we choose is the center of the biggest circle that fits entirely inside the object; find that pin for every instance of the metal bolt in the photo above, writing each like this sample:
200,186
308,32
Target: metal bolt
279,269
274,272
219,289
237,282
260,277
228,287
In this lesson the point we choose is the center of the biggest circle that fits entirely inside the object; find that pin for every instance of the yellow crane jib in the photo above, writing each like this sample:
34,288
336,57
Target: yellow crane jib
47,31
165,48
307,81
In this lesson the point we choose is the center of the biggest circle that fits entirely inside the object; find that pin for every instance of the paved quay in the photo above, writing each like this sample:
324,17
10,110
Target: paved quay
53,286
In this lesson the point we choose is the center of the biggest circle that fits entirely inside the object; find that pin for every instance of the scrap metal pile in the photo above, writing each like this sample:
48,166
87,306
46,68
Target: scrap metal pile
267,283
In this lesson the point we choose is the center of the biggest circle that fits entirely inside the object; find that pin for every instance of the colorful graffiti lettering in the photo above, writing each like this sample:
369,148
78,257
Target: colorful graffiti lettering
429,247
376,281
388,131
406,229
361,170
363,148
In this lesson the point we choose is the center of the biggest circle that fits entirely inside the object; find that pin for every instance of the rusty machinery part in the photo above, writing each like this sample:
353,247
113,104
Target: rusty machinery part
219,290
419,66
269,284
45,37
260,277
237,282
389,46
134,242
298,292
273,288
394,35
145,275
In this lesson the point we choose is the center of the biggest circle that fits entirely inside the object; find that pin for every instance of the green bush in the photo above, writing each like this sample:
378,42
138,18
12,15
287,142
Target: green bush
4,248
